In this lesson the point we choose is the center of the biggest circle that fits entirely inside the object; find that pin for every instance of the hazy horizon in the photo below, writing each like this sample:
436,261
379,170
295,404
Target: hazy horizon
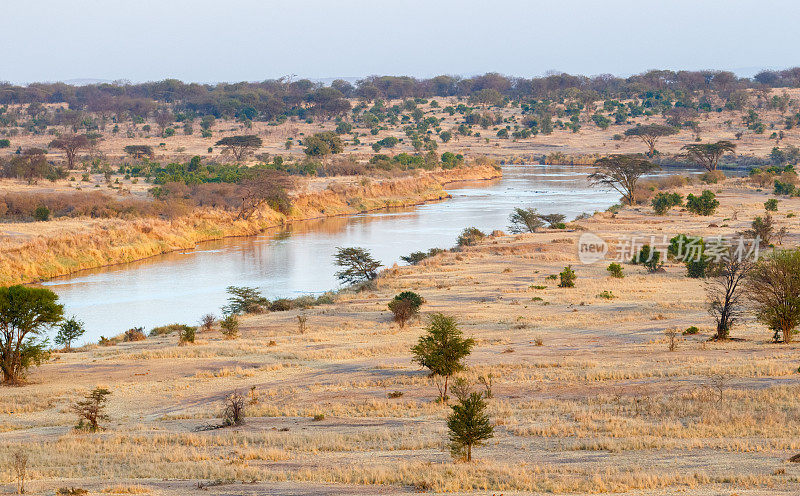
246,40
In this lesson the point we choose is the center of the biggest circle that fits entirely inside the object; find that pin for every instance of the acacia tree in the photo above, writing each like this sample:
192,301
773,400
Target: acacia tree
139,151
240,146
725,291
264,186
621,172
707,155
25,314
442,349
774,288
357,265
650,133
70,144
524,220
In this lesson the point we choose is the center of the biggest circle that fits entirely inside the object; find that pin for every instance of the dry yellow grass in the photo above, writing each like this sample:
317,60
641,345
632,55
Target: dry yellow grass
586,396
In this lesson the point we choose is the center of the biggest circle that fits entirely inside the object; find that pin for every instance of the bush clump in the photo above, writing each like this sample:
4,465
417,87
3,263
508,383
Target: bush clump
405,306
615,270
705,204
662,202
470,236
567,277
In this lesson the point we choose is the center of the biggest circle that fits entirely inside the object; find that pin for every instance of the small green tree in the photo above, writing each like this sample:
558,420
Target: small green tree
323,144
357,265
25,314
91,410
41,214
524,220
615,270
649,258
567,277
229,326
469,425
469,236
705,204
442,349
69,330
404,306
771,205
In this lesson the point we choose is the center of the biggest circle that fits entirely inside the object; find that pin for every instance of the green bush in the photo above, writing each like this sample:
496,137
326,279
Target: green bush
615,270
649,258
41,214
771,205
567,277
664,201
691,330
187,335
229,326
404,306
704,204
5,143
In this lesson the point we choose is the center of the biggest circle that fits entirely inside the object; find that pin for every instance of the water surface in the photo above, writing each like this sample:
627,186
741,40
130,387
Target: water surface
182,286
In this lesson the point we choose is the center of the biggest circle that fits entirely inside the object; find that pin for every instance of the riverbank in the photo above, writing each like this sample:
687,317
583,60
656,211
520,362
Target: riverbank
587,398
42,250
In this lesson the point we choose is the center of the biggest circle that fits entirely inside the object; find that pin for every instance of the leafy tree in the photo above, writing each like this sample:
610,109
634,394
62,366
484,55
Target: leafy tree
260,187
69,330
442,349
762,229
41,214
567,277
705,204
323,144
662,202
524,220
771,205
554,221
229,326
621,172
725,291
404,306
650,133
25,314
468,424
91,410
774,289
244,299
71,144
357,265
707,155
650,258
615,270
139,151
240,146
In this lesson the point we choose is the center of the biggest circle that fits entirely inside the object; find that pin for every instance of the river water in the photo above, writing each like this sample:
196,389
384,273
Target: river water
180,287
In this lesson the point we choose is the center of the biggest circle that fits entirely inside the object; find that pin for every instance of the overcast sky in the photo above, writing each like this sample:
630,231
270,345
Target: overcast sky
238,40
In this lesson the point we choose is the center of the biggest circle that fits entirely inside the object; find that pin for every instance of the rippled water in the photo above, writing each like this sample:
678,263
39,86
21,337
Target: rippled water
182,286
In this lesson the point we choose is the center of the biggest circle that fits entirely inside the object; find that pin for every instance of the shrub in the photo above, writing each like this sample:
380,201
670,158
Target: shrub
649,258
5,143
608,295
281,305
41,214
771,205
91,410
524,220
712,177
615,270
234,413
418,256
302,324
691,331
470,236
207,321
187,335
567,277
229,326
664,201
404,306
697,268
704,204
785,188
554,221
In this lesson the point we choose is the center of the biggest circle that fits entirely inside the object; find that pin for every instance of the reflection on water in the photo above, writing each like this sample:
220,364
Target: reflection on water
182,286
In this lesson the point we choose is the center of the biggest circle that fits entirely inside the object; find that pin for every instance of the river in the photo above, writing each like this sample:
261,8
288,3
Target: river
180,287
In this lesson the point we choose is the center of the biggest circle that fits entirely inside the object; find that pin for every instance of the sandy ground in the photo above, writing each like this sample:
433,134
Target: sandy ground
600,406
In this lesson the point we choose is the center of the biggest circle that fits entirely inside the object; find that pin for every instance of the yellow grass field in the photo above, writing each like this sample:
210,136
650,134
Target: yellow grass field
586,397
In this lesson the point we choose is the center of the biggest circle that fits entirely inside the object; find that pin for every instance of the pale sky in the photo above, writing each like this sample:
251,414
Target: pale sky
250,40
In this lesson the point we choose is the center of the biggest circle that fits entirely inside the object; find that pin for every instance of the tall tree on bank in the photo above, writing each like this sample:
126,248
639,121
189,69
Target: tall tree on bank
621,172
357,265
442,349
25,314
650,133
707,155
774,289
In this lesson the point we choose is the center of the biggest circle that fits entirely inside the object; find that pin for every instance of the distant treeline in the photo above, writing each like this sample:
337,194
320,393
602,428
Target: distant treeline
272,99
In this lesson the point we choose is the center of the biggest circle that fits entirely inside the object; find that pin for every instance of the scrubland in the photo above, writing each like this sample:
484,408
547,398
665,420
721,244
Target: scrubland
586,396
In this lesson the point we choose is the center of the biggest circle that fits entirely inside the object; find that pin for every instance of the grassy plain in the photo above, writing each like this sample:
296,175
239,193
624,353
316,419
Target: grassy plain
587,398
